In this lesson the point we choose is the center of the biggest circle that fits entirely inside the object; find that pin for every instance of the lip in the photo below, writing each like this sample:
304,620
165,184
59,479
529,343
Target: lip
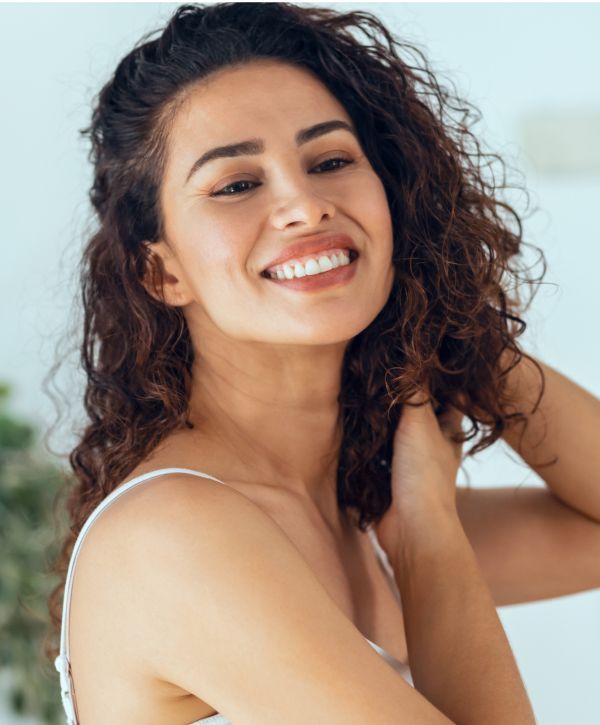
335,278
314,244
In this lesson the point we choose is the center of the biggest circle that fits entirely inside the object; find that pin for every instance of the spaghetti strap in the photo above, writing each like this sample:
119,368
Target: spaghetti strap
105,503
62,661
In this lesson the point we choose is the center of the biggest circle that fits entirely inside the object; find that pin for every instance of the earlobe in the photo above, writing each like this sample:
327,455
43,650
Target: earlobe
164,272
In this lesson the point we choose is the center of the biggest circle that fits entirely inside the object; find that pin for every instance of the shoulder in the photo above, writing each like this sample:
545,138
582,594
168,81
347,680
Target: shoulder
153,540
196,520
175,515
216,600
167,505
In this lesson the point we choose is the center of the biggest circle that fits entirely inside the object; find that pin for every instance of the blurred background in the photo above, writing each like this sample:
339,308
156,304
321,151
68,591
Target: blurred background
532,71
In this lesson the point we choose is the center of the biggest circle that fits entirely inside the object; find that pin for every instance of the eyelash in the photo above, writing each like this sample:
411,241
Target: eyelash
222,192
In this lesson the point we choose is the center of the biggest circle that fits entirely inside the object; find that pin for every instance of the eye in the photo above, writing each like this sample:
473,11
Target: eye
335,158
223,191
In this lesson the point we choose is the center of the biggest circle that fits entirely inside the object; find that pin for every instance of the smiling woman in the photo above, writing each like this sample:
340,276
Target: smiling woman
219,236
301,281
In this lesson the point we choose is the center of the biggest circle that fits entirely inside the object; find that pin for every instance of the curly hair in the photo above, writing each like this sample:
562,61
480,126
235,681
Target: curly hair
452,318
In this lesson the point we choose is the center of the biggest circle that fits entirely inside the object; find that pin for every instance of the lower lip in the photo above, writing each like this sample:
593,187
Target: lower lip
334,278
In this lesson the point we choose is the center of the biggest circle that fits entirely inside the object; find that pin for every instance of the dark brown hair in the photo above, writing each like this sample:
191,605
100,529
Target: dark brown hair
452,318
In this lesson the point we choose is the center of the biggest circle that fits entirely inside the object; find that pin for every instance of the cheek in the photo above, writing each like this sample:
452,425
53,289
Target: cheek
375,213
217,246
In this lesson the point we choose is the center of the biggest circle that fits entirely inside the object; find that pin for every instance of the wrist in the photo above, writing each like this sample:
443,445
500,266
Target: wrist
428,534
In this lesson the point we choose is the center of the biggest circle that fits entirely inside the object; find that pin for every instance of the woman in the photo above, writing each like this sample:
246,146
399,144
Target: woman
298,289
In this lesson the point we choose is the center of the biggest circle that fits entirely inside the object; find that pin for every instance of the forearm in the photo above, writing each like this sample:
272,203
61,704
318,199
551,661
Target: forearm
459,655
565,426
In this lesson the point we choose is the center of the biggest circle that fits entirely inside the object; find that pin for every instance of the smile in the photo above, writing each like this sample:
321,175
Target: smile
314,275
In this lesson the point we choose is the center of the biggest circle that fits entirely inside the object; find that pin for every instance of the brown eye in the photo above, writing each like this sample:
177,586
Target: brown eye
224,191
328,161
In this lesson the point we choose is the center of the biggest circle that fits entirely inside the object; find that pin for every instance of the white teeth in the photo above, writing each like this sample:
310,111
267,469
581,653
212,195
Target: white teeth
299,270
311,267
325,264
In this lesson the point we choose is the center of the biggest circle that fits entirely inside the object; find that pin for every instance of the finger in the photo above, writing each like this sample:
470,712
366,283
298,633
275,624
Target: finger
420,395
419,410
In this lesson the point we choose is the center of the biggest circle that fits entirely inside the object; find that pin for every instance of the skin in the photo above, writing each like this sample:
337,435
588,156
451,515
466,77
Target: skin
268,360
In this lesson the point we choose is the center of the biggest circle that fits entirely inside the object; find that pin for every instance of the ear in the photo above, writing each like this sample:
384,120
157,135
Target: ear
160,257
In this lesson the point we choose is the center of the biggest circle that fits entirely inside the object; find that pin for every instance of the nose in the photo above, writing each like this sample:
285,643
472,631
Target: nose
302,206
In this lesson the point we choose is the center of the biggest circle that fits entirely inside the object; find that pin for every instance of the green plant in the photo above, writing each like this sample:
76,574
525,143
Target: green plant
29,484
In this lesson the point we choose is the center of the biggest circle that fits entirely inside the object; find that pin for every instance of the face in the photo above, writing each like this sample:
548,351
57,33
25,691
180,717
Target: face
228,221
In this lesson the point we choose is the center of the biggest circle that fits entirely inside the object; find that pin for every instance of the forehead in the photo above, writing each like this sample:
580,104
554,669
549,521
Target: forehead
262,99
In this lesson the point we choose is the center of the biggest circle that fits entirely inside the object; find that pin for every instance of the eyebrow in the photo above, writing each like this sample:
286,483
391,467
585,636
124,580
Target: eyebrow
256,146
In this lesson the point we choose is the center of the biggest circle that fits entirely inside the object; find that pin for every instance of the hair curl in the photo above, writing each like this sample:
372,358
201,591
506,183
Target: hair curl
451,320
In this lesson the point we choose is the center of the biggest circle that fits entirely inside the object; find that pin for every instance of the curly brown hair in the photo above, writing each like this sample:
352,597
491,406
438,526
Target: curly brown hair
453,315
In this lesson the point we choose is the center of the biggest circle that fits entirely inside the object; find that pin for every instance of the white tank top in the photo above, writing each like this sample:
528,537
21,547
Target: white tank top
62,663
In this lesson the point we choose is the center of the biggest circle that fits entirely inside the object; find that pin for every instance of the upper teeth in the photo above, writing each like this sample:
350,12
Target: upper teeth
313,265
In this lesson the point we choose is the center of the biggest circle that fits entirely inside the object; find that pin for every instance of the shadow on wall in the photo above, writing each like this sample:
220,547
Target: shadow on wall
29,530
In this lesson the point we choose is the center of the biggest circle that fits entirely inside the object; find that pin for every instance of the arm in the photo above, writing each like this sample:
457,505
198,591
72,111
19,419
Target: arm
459,655
217,600
528,543
565,427
536,543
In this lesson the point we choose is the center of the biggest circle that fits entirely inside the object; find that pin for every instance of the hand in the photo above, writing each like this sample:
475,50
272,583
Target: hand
425,464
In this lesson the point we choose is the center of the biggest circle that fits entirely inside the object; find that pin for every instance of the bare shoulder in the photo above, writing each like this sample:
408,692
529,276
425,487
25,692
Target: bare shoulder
222,605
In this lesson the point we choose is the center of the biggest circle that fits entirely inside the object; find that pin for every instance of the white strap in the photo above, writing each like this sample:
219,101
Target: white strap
123,488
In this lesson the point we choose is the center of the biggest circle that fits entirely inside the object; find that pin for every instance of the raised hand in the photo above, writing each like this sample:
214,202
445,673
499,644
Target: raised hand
424,468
